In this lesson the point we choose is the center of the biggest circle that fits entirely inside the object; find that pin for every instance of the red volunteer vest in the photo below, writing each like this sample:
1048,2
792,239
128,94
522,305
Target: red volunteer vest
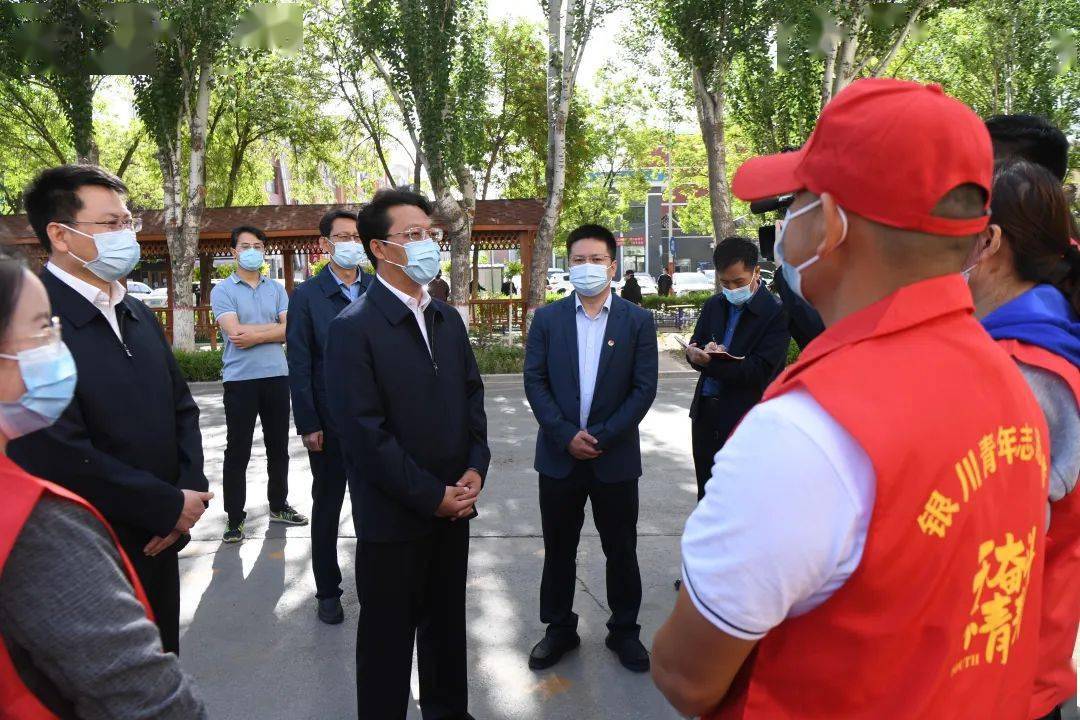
1055,676
21,492
940,619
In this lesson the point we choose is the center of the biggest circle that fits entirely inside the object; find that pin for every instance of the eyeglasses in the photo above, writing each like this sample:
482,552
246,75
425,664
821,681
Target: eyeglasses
590,259
49,336
420,234
345,238
248,246
133,223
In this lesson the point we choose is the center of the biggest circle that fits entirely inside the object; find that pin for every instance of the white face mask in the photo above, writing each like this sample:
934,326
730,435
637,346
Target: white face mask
792,273
118,253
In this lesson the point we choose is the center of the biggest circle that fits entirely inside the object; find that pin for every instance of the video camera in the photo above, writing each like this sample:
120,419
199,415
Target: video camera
767,233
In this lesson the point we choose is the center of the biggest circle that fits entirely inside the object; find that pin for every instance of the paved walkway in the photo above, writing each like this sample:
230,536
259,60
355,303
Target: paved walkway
252,640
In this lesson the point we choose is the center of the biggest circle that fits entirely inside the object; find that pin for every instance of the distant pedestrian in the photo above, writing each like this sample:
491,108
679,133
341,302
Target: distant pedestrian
663,284
251,310
439,288
314,304
407,402
631,291
75,623
590,376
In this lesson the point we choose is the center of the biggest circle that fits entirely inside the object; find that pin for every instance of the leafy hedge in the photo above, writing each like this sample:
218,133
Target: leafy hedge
500,359
199,365
792,352
658,302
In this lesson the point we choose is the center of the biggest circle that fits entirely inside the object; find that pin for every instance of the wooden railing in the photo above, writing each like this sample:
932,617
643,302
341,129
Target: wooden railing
498,315
206,329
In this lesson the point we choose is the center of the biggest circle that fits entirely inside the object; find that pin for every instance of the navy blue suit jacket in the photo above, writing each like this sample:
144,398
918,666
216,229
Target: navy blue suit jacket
625,388
761,337
410,421
314,303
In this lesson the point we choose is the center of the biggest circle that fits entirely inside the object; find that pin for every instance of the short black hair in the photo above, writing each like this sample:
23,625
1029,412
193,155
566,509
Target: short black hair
591,232
326,225
51,196
735,249
373,220
1032,138
240,229
12,276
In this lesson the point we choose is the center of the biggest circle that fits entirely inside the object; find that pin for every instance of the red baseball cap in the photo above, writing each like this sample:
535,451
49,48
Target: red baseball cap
887,150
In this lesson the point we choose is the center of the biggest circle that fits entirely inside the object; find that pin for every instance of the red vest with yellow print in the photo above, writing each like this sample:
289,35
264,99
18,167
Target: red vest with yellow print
1055,676
21,492
940,619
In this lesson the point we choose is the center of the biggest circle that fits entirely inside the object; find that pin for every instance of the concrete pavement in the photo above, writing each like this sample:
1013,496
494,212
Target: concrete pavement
251,638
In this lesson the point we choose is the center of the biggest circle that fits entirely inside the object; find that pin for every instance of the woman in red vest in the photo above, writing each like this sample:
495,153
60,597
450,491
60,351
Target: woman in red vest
870,543
76,639
1026,286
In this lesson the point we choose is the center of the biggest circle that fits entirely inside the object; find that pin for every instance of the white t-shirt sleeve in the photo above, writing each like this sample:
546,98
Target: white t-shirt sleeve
783,521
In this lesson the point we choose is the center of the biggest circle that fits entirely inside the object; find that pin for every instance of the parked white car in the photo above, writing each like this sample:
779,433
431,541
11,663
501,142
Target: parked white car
683,283
150,297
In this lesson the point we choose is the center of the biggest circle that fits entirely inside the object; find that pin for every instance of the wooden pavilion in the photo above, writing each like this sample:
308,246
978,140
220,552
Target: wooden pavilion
293,231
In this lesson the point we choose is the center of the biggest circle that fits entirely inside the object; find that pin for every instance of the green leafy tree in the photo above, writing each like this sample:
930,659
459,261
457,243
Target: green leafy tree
50,44
569,25
174,104
709,36
430,55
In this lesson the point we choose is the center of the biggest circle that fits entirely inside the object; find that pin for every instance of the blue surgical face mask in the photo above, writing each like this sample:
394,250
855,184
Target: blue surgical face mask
250,259
589,280
792,273
739,296
49,375
424,260
118,253
347,254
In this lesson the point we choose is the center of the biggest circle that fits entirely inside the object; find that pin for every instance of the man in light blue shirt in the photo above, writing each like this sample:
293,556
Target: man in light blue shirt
590,338
251,310
590,376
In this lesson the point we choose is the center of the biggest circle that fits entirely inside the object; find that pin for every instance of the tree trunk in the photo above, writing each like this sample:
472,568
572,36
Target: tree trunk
456,217
184,256
558,110
169,160
234,172
710,110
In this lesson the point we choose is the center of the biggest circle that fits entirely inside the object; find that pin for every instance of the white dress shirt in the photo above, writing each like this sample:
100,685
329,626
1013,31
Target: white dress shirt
105,303
416,308
590,340
784,519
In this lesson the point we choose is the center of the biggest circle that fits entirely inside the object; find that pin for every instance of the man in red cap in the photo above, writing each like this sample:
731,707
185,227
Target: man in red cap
870,543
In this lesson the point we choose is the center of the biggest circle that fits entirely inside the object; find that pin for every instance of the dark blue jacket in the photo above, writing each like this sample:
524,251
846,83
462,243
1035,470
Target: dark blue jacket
410,424
129,442
1040,316
625,388
314,303
761,337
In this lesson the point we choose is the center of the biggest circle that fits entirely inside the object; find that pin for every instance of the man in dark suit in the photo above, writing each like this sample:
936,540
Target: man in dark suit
590,377
407,403
314,304
747,321
129,442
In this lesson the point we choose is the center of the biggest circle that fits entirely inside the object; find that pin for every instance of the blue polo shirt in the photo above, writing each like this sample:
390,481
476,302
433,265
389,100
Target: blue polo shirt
259,305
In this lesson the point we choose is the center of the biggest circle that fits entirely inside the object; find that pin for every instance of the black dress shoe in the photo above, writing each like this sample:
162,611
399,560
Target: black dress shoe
632,654
330,611
551,649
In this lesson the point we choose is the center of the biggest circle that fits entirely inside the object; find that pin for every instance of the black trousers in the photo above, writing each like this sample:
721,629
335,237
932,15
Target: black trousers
267,399
706,440
412,590
160,578
327,495
615,512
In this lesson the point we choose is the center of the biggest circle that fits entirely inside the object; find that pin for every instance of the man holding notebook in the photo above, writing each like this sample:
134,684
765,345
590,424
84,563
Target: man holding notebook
749,324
